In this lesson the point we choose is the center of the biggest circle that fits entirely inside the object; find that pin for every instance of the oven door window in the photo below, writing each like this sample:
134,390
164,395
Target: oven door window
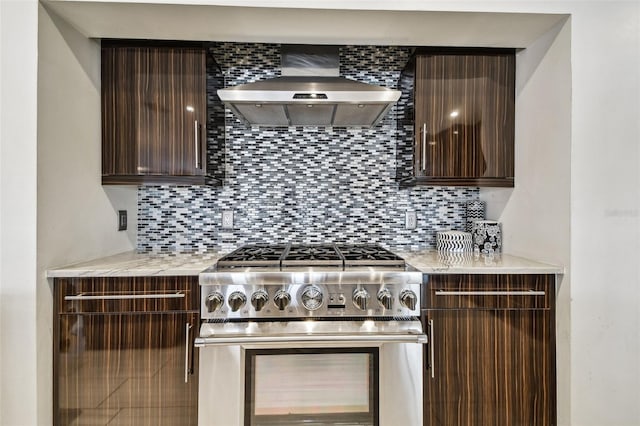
315,386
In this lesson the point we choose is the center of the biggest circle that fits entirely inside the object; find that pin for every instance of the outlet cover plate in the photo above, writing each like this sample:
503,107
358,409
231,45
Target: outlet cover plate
227,219
122,220
411,220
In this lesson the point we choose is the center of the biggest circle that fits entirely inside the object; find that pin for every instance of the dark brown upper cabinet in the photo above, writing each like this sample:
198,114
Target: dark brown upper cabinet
463,117
154,114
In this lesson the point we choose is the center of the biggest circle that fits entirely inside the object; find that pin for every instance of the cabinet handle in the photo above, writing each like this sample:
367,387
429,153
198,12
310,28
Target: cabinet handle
431,350
490,293
424,146
186,352
197,142
83,296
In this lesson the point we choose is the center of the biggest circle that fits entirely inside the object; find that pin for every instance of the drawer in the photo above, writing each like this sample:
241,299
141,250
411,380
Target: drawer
488,291
127,294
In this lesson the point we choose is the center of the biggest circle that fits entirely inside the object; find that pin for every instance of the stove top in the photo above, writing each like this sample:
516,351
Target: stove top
299,255
288,281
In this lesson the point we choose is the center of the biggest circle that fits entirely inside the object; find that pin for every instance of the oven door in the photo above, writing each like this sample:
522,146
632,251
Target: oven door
311,373
311,386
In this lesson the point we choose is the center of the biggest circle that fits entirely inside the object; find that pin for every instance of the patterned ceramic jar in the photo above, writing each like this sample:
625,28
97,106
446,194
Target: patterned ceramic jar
487,237
474,210
453,241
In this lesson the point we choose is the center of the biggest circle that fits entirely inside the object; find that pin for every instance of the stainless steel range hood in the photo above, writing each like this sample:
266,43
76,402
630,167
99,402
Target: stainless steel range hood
309,93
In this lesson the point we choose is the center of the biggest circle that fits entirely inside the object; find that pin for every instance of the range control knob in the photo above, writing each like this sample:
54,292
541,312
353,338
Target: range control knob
385,298
259,299
311,297
360,298
214,301
236,300
408,299
282,299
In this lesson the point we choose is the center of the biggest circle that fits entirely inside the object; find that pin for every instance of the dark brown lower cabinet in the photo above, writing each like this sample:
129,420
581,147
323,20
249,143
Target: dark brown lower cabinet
123,351
491,356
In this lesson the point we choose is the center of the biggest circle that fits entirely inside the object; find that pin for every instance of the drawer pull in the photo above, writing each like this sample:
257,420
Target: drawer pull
490,293
83,296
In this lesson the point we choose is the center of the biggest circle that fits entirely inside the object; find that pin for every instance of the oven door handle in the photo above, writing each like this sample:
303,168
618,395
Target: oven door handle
301,339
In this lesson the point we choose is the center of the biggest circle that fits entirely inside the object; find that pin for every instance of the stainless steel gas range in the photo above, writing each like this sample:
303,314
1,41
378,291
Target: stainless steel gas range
310,334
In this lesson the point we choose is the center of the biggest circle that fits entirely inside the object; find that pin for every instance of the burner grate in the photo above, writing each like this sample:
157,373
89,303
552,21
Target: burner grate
369,255
312,255
309,255
254,255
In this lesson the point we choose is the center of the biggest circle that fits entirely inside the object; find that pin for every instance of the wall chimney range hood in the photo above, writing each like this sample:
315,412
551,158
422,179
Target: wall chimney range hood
309,93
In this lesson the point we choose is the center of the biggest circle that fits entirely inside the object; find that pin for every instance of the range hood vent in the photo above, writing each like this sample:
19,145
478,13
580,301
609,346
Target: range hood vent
309,93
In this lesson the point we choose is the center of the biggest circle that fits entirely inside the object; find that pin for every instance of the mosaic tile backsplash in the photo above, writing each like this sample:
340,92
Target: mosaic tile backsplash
303,184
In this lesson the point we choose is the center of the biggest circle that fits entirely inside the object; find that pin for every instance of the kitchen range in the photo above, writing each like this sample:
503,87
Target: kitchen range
310,334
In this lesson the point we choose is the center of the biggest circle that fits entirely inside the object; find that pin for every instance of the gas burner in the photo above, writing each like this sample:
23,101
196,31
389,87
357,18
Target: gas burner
369,255
254,255
316,255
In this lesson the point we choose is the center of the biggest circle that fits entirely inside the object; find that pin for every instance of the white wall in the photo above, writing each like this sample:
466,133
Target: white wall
81,215
77,217
18,115
605,205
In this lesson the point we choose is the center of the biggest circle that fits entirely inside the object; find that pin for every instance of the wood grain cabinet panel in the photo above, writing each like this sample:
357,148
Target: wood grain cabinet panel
464,117
490,362
123,351
154,114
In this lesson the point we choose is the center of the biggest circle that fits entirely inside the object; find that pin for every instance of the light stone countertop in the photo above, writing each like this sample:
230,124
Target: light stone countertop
132,263
179,264
434,262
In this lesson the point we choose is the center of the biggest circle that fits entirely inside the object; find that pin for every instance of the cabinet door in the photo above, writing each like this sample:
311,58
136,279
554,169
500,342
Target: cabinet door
489,367
153,111
127,369
464,118
123,351
491,353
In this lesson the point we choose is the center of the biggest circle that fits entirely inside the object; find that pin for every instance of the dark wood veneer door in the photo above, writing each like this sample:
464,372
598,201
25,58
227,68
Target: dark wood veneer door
127,369
490,367
154,110
464,117
491,353
120,99
122,359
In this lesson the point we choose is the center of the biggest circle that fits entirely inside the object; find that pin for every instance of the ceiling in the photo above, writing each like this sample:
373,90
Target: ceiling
205,22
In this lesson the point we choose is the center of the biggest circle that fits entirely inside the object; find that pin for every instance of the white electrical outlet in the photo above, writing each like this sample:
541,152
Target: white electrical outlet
410,220
227,219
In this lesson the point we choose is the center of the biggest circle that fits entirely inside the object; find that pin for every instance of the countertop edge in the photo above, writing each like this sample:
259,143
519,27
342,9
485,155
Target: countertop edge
132,263
491,270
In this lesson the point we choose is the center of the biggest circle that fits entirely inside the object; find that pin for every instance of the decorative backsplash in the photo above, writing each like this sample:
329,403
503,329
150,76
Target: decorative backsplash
306,185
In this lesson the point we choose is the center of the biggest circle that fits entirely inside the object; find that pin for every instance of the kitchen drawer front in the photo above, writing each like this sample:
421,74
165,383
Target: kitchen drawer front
127,294
509,291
